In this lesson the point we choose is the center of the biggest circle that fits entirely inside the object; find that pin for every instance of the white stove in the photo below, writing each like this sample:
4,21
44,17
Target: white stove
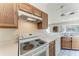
33,46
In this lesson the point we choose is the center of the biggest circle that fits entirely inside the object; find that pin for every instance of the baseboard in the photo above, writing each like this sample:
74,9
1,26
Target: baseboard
65,49
70,49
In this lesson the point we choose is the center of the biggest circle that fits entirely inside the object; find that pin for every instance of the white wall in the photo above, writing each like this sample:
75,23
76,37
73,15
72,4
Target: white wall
7,35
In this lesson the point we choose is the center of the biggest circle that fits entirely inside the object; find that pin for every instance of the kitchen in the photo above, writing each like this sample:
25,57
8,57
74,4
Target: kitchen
27,22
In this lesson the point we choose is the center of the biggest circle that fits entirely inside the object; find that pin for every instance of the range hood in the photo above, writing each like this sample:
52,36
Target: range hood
29,17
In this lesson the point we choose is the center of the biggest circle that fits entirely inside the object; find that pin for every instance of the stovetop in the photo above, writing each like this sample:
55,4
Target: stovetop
27,46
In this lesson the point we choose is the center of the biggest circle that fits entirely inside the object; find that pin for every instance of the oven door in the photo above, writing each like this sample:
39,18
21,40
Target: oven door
42,52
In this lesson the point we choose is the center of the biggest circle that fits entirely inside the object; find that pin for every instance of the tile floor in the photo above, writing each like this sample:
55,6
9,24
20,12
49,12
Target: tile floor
69,53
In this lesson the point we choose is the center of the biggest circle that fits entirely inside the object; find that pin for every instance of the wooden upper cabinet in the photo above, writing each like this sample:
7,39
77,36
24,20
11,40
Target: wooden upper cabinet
25,7
8,15
45,20
36,12
44,23
30,9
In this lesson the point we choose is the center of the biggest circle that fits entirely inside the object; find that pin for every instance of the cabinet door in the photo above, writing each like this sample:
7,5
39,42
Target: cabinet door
45,20
25,7
39,25
36,12
52,50
75,43
44,23
66,43
8,15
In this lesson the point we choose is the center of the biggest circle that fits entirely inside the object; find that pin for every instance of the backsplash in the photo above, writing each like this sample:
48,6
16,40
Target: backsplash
26,27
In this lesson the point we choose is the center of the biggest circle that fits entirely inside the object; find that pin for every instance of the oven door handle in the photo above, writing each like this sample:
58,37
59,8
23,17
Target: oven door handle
40,51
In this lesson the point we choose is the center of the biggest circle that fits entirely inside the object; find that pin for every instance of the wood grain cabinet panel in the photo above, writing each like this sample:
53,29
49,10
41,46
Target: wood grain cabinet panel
8,15
75,43
45,20
66,43
25,7
52,51
39,25
36,12
44,23
52,48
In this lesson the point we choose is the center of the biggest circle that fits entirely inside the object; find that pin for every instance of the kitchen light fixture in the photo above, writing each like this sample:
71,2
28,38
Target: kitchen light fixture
30,19
67,13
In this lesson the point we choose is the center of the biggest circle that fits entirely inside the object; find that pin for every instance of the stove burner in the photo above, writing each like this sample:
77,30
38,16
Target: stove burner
38,45
37,40
26,42
41,42
28,47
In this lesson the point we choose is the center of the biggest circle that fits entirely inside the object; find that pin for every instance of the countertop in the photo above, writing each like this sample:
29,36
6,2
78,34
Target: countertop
50,37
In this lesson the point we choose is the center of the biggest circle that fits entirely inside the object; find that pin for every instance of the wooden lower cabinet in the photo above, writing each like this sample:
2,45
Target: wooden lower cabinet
70,43
66,42
52,51
52,48
75,44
